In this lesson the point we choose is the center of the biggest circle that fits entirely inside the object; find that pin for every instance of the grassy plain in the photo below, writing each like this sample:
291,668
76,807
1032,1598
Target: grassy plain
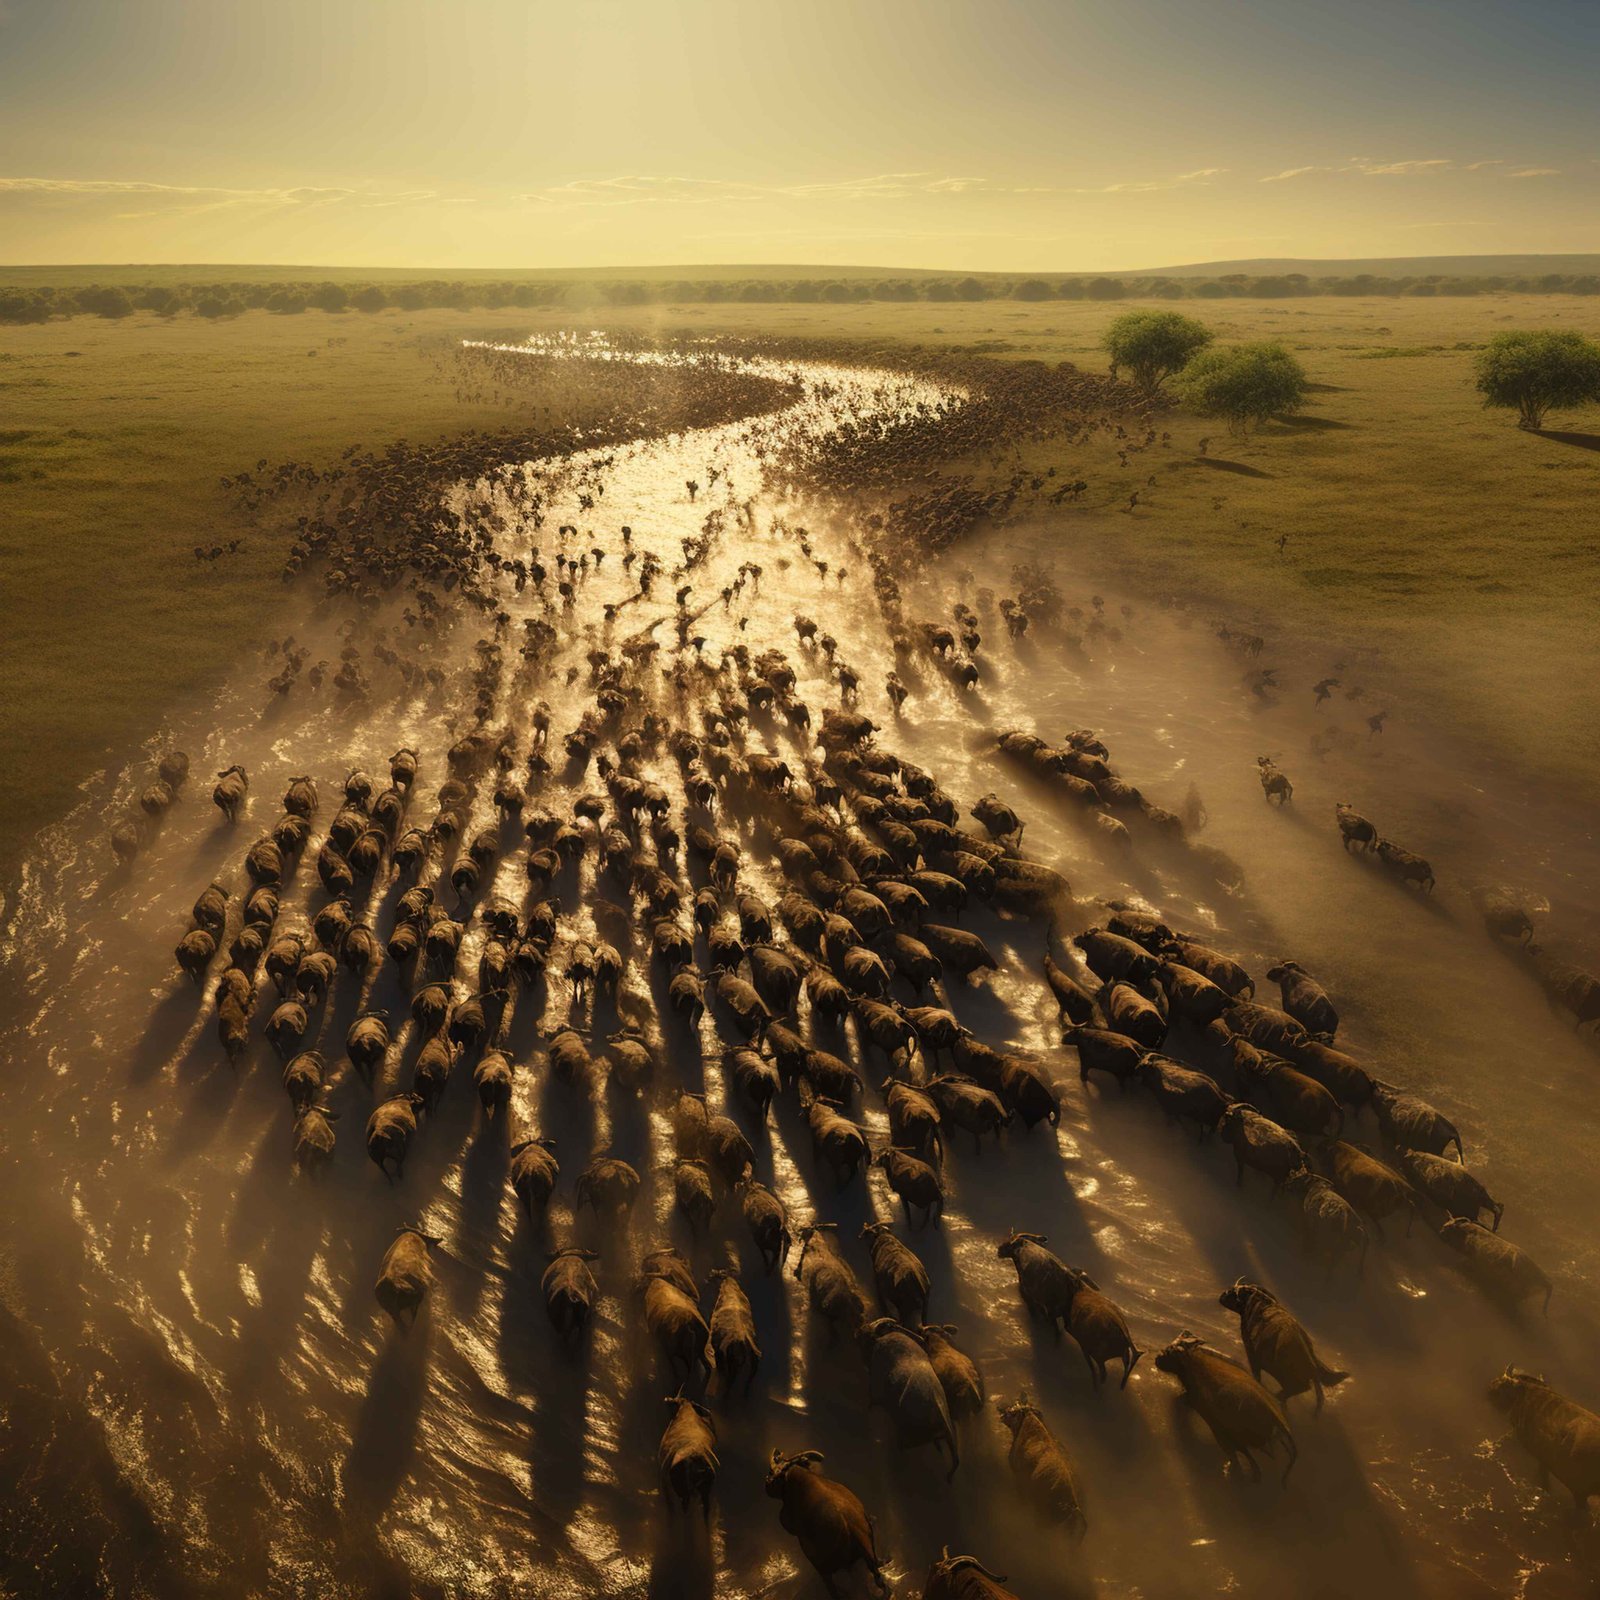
113,437
1418,525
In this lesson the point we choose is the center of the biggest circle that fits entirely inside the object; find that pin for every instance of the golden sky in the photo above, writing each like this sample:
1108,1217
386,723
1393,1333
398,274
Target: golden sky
1060,135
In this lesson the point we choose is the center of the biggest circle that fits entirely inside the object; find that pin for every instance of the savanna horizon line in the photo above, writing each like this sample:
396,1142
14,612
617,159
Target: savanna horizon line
1481,265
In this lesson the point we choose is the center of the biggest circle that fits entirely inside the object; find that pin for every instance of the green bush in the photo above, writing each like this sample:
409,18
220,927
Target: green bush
1244,384
1539,371
1153,345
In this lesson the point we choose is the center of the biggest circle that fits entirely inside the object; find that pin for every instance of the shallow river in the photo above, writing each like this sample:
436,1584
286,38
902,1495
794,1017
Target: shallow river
214,1316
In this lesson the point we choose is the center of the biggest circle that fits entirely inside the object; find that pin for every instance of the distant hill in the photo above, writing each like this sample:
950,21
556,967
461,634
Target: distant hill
1379,267
67,276
170,273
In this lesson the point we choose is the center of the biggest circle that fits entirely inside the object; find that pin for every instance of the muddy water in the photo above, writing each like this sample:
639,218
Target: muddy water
214,1318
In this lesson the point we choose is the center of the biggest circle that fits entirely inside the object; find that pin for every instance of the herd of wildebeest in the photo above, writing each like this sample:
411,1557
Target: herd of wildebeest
648,830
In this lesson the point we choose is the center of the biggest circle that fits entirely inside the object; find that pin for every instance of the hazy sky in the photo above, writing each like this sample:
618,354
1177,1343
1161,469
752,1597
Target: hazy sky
1029,134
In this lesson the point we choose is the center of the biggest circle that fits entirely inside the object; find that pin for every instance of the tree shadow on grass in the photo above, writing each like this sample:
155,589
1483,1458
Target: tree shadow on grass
1304,424
1583,441
1242,468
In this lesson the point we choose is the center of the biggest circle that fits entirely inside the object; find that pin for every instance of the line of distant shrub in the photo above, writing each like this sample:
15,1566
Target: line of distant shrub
215,300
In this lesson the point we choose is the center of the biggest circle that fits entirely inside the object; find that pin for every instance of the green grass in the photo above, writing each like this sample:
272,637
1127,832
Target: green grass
115,438
1419,524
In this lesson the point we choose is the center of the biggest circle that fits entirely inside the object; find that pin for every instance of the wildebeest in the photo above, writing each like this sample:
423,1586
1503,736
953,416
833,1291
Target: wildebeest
1099,1329
957,950
1276,1343
958,1372
830,1522
1354,829
1567,988
366,1043
1329,1225
1305,999
1242,1416
1041,1468
1100,1050
233,783
286,1028
733,1332
1183,1094
609,1185
902,1281
768,1223
406,1276
303,1077
569,1293
1408,1123
1288,1096
1502,1270
1375,1189
963,1578
835,1139
1274,784
915,1183
1074,1003
968,1105
1450,1185
1221,970
686,1461
832,1289
491,1077
195,952
1562,1436
1047,1282
691,1191
390,1130
314,1138
533,1173
674,1322
1406,865
1260,1143
901,1379
914,1120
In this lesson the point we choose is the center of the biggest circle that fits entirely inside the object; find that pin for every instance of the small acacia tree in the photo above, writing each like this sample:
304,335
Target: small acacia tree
1539,371
1153,345
1244,384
